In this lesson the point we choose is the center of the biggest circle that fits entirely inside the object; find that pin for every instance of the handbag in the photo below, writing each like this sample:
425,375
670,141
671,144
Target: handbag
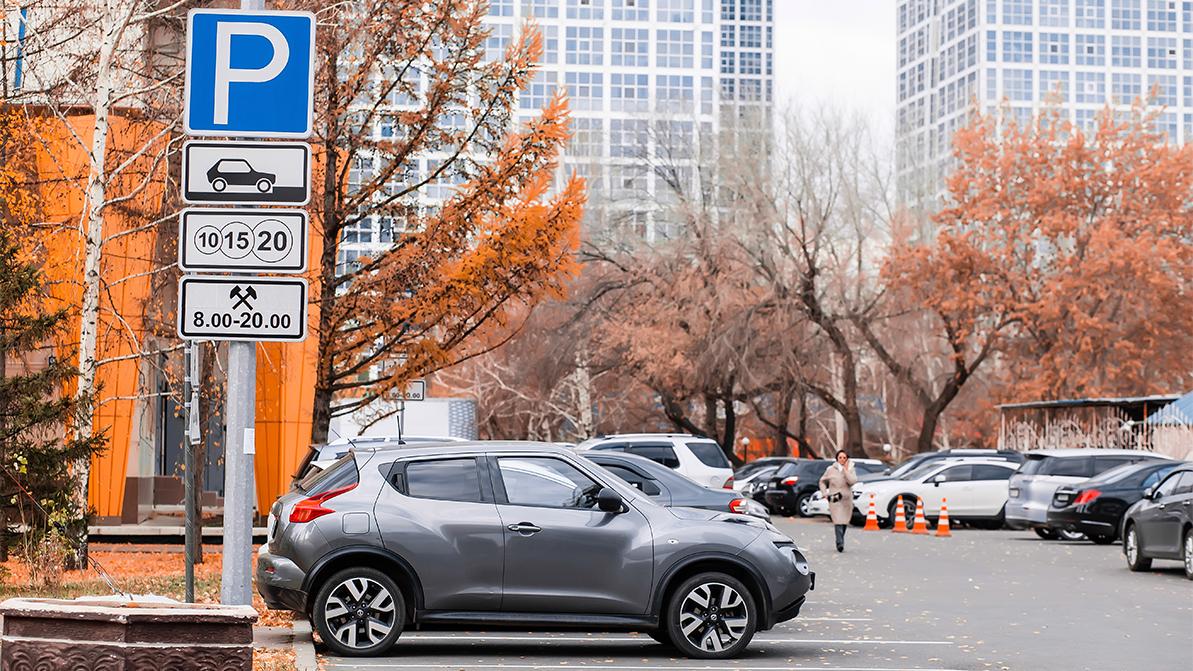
833,498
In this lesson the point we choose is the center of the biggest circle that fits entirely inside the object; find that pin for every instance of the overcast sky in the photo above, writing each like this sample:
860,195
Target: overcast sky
839,53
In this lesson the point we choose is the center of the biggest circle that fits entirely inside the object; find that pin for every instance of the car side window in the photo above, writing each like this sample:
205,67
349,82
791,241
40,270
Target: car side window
1185,486
444,480
610,447
1169,486
988,472
957,474
644,485
661,453
546,482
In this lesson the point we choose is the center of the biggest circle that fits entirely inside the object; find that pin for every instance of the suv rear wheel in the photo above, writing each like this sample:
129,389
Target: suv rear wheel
711,616
359,612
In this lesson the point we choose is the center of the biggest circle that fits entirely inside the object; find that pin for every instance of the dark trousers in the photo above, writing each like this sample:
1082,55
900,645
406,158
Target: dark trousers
840,529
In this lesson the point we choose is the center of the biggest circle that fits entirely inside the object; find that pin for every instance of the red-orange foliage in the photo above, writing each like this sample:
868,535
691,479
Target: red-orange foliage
1078,244
456,270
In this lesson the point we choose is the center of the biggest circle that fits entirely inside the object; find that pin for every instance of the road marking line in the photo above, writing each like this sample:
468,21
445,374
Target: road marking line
645,639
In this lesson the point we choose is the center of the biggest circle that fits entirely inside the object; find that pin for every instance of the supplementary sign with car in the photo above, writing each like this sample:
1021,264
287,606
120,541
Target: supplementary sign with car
242,239
242,308
250,173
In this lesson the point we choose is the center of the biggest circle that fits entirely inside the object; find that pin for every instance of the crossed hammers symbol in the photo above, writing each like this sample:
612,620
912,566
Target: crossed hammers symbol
242,296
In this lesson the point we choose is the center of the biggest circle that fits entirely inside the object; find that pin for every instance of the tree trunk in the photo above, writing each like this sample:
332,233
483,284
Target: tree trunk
786,400
586,426
325,372
96,196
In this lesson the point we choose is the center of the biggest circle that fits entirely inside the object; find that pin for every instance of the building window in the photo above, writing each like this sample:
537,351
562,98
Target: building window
750,63
1161,16
1125,88
751,10
501,8
543,9
706,50
1162,89
1189,95
674,93
585,45
674,139
587,137
540,91
1016,12
628,181
1017,84
586,90
499,38
675,48
1054,86
1091,87
728,62
1161,53
991,46
629,10
1091,50
675,11
750,37
1016,46
1054,48
1054,12
629,92
727,34
586,9
551,44
706,101
750,90
1091,13
1125,52
728,12
1125,15
627,138
631,46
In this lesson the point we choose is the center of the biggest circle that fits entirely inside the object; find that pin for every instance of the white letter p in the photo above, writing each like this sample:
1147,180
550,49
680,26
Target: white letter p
225,74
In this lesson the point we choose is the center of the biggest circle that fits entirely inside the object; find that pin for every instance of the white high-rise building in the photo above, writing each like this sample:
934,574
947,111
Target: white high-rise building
646,79
1080,54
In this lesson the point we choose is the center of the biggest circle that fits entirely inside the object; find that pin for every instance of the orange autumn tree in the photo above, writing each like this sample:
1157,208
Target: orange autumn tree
436,214
1068,251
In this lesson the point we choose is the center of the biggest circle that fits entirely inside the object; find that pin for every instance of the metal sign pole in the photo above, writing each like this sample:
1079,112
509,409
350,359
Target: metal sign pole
188,465
236,586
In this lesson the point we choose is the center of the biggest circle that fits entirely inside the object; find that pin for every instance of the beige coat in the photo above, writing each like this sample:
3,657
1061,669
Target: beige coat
839,481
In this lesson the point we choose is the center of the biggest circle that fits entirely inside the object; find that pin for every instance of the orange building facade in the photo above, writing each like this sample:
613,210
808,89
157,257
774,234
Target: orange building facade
138,384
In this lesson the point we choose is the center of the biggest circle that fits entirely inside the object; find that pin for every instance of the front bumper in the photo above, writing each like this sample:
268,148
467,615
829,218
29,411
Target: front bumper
279,581
791,611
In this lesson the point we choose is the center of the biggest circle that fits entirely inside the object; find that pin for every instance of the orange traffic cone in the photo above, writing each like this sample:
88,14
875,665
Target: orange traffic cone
900,517
942,525
871,517
921,523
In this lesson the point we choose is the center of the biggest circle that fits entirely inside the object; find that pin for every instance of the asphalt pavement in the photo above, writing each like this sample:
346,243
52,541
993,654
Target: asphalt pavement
895,602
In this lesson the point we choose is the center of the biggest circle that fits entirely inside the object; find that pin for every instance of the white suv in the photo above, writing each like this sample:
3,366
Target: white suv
701,459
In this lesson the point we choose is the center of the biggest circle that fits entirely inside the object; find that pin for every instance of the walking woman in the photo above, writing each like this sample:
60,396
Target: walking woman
836,488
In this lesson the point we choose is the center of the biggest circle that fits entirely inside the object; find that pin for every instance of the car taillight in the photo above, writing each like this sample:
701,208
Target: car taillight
729,483
311,507
1086,496
790,482
738,506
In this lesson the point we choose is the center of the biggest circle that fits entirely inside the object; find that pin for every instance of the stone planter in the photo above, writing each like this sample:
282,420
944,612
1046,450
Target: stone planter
109,635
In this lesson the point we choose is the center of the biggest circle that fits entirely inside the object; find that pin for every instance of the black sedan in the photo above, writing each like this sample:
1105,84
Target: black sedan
792,486
669,488
1095,507
1160,525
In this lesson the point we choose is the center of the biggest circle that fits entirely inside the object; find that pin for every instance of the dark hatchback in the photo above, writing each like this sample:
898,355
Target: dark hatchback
792,486
1160,525
1095,507
668,488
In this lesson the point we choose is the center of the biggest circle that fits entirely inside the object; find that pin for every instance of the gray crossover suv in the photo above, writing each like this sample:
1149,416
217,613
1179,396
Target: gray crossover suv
517,534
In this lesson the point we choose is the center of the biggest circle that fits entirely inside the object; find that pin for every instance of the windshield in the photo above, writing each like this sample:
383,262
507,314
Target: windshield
907,466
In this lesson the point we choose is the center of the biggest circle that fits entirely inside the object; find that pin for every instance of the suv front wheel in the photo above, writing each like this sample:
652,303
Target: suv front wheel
359,612
711,616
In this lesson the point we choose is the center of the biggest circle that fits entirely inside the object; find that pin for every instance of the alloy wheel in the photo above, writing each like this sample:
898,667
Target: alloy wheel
359,612
1189,554
805,506
713,616
1132,542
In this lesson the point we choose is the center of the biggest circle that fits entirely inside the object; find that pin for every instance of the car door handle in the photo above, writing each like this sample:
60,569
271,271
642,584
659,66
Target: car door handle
524,528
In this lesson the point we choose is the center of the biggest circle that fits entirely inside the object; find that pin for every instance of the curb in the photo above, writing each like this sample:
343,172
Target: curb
304,647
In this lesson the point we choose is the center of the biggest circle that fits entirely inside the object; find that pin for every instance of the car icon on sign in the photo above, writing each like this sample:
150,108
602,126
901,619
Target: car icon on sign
238,172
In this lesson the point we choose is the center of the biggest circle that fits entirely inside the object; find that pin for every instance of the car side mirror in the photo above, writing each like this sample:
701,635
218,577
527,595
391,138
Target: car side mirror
1150,494
886,471
609,500
937,480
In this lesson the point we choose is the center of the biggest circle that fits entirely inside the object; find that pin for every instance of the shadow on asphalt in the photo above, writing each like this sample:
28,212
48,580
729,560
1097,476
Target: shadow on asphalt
614,651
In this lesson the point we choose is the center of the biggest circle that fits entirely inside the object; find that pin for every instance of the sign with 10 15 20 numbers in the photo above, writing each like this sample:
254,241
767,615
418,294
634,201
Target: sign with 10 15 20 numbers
239,240
242,308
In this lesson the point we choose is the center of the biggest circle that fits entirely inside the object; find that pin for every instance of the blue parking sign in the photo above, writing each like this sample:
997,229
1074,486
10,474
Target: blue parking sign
249,73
